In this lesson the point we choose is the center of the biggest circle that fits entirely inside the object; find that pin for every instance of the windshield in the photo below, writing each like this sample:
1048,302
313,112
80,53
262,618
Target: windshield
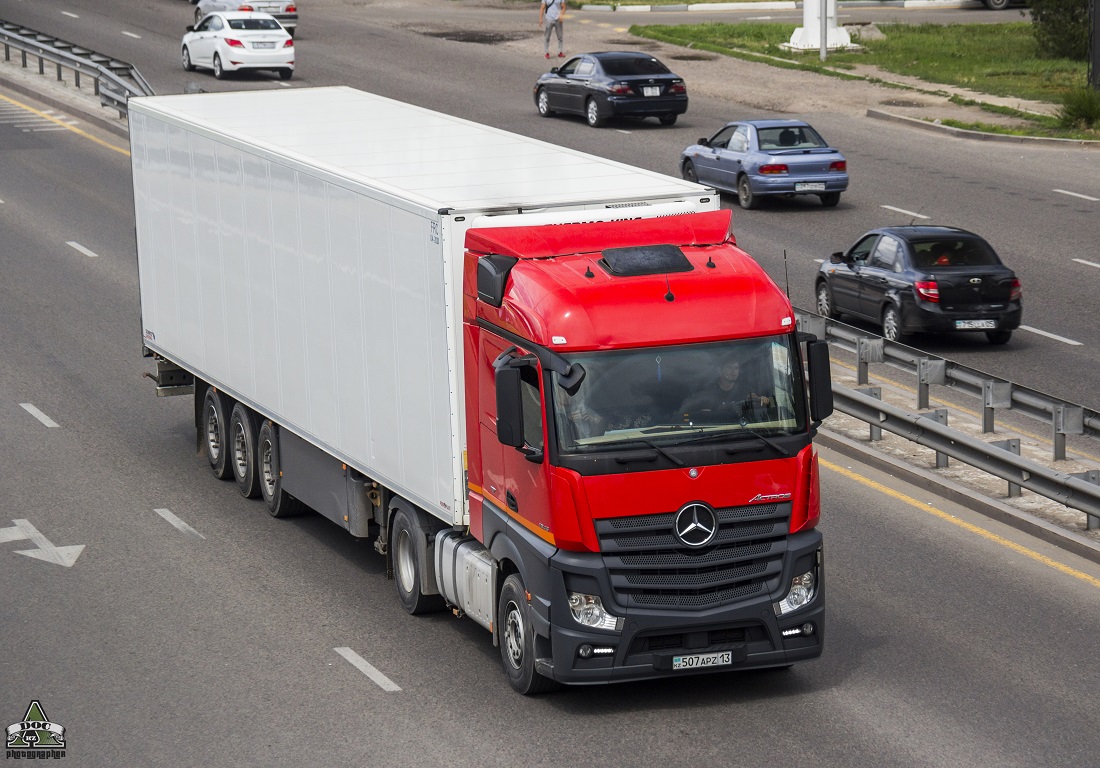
675,395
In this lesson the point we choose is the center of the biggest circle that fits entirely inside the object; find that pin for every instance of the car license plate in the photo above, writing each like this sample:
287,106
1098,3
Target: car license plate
970,324
263,45
651,90
809,186
702,660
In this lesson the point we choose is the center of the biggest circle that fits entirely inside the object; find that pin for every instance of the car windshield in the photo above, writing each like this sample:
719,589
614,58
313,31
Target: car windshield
790,137
641,65
953,252
253,24
669,396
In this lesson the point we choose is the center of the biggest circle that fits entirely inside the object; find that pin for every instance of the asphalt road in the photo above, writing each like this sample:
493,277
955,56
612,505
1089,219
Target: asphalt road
951,640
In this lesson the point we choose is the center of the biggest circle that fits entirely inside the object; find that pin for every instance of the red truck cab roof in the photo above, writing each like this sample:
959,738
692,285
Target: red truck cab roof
563,291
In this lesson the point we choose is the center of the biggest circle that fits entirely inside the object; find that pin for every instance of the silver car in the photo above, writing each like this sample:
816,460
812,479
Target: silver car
284,11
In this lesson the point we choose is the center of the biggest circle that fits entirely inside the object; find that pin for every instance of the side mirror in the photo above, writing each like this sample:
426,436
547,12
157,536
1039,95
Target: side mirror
509,407
190,27
703,142
553,70
821,379
837,258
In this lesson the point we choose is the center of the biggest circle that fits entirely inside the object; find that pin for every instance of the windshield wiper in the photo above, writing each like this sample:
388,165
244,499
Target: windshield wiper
674,459
726,434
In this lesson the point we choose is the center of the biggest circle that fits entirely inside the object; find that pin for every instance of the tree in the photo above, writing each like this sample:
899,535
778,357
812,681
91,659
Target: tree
1061,28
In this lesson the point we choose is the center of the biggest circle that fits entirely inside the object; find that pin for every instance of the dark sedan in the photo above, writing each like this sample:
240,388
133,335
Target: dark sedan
922,279
612,84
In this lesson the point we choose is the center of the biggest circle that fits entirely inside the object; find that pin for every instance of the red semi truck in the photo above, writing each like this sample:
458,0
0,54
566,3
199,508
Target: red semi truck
556,394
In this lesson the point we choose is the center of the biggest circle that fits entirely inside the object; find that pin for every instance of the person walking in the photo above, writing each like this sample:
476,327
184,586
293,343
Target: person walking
552,12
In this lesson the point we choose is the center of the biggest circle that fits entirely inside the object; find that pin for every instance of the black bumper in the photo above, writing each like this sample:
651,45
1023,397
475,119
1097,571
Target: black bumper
651,638
924,317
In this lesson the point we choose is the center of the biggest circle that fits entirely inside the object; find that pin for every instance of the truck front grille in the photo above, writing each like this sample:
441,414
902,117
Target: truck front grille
650,567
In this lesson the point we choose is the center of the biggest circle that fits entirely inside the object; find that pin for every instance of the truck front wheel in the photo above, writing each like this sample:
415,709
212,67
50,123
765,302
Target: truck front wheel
215,433
517,639
279,502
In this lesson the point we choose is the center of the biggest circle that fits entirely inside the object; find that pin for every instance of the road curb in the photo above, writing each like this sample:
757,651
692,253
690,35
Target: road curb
963,133
967,497
777,5
72,106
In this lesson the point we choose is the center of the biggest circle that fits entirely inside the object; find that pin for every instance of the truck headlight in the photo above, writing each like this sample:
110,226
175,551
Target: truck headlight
589,611
802,591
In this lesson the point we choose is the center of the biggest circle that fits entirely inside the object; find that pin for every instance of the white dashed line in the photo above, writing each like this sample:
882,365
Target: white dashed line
1077,194
131,34
1062,339
81,248
177,523
1079,261
39,415
902,210
70,15
363,666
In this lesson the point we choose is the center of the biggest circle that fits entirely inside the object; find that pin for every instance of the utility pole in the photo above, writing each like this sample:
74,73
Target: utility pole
1094,45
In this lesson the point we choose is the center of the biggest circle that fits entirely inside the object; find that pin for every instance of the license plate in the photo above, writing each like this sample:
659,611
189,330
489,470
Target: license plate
702,660
809,186
263,45
651,90
969,324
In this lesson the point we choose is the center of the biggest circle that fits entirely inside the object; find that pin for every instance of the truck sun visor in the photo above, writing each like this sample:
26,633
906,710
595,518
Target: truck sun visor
644,260
492,276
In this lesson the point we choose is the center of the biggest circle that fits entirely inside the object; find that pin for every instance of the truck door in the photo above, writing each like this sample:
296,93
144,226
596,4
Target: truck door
512,481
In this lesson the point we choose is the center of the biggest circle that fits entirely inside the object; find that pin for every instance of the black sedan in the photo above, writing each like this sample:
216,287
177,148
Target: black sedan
612,84
922,279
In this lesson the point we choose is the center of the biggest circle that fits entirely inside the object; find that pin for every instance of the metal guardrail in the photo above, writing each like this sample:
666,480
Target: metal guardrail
1079,491
113,81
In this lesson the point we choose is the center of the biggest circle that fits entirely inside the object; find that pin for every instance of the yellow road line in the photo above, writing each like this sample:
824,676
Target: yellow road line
963,524
65,125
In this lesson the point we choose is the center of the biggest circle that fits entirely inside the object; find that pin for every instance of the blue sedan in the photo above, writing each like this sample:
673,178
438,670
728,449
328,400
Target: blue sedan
759,158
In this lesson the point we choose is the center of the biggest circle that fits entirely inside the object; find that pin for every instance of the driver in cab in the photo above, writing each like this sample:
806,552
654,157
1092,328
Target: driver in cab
728,398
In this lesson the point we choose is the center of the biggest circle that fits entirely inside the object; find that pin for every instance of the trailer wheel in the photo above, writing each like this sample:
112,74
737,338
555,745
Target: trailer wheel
215,433
517,639
242,444
279,502
406,566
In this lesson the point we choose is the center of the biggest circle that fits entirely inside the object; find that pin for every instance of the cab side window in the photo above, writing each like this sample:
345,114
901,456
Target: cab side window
861,250
585,69
739,141
722,138
532,407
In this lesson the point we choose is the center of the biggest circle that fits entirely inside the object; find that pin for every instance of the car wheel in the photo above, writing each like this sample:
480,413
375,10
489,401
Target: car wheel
517,639
668,119
286,74
745,194
998,337
825,306
543,103
996,5
830,199
219,73
891,325
592,114
186,59
688,171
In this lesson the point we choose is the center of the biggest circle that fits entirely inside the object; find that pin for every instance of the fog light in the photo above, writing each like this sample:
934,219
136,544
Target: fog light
585,651
807,629
802,591
589,611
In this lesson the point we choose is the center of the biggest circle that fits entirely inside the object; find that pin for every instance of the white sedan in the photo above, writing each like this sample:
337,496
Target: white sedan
231,41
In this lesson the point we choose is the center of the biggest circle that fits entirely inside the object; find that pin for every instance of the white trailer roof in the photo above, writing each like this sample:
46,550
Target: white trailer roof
443,162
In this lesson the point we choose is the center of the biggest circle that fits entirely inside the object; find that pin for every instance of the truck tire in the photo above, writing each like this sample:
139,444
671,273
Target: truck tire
407,566
215,433
279,502
517,639
242,448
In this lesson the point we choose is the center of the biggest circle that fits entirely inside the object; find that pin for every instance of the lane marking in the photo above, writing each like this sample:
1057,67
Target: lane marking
177,523
39,415
1062,339
75,130
363,666
970,527
131,34
902,210
1079,261
1077,194
69,14
77,246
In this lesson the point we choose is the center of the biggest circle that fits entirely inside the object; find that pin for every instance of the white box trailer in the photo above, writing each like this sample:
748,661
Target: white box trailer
301,251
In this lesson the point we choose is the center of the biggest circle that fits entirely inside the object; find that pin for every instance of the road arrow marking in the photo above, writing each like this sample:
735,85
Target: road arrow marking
23,529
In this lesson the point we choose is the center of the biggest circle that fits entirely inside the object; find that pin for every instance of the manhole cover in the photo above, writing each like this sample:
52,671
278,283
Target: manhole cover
901,103
484,38
693,57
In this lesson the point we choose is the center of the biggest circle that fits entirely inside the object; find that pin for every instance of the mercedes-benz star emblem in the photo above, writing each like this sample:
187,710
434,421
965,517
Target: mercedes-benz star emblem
696,524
